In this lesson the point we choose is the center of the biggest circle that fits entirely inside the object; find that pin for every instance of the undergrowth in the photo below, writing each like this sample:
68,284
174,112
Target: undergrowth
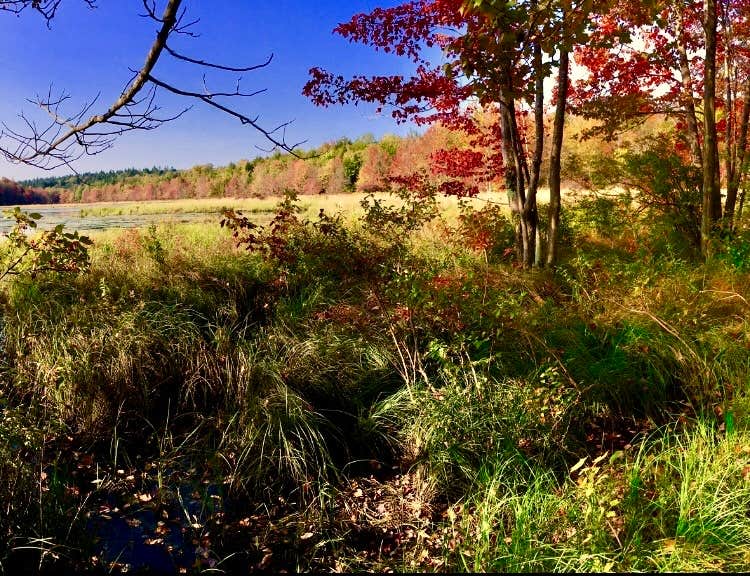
386,394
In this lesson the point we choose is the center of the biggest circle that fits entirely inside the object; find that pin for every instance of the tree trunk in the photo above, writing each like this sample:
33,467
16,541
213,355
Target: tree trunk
522,172
509,165
730,155
530,210
511,171
688,102
711,179
741,204
733,183
526,218
563,81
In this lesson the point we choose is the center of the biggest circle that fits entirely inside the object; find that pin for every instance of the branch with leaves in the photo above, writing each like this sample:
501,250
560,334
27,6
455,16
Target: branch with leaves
53,250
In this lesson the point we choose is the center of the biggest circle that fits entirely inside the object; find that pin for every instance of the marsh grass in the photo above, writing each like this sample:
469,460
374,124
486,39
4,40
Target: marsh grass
470,416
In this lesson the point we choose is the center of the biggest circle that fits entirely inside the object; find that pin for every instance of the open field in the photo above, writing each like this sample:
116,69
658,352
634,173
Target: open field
104,215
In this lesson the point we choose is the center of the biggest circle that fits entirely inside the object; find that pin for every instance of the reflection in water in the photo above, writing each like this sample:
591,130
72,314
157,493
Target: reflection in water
74,218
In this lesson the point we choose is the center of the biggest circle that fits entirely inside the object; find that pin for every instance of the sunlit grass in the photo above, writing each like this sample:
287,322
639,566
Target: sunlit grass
348,204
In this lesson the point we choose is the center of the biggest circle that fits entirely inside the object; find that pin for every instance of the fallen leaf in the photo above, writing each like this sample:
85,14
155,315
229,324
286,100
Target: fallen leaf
578,464
306,536
600,458
266,559
162,529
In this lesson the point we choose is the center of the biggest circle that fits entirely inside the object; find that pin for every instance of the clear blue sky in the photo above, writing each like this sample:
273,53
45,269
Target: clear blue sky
89,51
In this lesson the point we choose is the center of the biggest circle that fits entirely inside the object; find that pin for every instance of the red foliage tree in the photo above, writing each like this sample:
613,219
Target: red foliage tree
376,165
434,94
683,59
494,57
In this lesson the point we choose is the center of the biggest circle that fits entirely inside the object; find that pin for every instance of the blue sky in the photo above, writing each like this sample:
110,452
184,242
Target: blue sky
87,52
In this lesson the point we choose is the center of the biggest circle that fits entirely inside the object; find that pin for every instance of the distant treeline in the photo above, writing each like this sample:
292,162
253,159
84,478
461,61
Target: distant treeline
12,193
362,165
101,178
344,165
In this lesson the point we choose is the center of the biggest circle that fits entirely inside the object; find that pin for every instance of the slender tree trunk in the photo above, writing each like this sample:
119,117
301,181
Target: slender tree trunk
730,144
688,102
741,204
563,82
507,152
521,172
526,231
513,171
711,179
729,157
530,210
733,183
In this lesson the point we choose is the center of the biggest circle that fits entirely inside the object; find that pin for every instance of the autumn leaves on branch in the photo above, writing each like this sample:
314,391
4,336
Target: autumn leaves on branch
642,58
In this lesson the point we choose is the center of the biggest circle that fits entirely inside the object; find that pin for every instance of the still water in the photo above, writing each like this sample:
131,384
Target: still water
76,217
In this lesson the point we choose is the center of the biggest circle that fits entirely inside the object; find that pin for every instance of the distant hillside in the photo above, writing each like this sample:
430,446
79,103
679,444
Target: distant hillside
362,165
13,193
101,178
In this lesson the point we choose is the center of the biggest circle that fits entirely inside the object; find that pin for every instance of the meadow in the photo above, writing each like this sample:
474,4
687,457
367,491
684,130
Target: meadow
95,215
377,387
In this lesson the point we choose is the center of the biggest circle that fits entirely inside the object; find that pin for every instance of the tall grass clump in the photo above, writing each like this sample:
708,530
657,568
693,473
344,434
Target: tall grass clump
534,525
301,408
679,503
692,488
457,423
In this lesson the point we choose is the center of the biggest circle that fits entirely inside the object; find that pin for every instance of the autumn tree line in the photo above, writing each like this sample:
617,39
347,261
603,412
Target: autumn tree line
363,165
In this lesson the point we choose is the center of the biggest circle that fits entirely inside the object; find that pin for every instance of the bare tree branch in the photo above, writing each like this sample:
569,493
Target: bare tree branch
47,8
208,99
219,66
70,136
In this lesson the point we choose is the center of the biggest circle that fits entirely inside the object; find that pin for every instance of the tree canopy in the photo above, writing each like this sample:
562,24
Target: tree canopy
687,60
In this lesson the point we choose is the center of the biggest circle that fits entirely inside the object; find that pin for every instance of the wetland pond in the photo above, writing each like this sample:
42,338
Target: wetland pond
84,218
91,217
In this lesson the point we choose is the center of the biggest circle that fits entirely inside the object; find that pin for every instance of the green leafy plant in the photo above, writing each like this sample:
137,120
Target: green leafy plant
153,245
50,251
272,240
668,188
